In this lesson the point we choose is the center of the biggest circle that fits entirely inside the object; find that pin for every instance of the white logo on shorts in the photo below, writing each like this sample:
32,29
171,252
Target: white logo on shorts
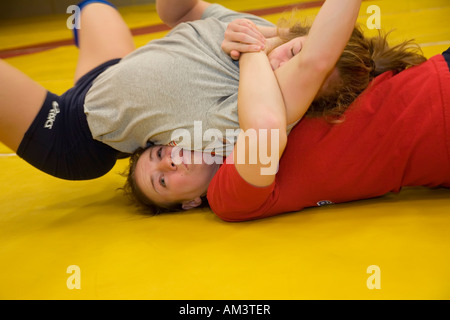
52,116
324,203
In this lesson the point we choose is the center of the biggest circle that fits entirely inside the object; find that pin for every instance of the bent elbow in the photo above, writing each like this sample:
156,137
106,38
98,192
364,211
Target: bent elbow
271,128
268,121
167,16
168,20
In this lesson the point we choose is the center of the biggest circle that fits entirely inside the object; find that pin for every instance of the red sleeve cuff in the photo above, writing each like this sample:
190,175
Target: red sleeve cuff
232,198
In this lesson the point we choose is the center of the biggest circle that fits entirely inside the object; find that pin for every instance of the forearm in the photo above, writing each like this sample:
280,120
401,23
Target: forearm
331,31
259,95
260,108
173,12
302,77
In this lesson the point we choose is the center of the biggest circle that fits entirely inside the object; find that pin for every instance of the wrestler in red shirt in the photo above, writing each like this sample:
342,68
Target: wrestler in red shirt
396,134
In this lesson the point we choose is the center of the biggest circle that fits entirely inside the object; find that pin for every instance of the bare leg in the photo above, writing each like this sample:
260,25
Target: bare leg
103,36
21,99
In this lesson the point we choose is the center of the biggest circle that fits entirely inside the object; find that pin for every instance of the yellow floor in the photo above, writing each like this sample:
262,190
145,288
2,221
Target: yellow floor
47,225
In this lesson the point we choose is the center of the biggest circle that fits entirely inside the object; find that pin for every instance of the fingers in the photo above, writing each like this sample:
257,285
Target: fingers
244,31
235,55
242,36
233,47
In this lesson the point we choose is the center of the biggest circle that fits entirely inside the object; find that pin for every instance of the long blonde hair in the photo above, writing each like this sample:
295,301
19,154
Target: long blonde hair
362,60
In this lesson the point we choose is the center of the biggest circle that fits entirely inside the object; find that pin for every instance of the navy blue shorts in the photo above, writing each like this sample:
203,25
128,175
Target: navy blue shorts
59,141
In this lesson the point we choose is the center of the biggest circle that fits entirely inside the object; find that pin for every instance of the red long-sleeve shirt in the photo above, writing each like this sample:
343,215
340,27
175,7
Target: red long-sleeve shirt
396,134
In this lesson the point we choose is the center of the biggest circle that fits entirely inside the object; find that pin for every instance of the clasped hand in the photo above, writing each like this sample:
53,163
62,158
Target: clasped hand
243,36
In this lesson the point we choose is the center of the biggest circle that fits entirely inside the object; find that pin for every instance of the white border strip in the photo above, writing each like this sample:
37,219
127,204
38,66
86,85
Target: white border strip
438,43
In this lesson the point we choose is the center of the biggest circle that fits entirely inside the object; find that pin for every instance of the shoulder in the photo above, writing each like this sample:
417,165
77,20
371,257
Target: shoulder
231,198
226,15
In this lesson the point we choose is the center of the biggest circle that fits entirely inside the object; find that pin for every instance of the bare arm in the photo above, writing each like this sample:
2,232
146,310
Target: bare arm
260,108
301,78
263,105
173,12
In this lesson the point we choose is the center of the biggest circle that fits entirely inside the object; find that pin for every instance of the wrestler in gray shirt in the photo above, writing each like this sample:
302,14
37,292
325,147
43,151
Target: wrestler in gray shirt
170,84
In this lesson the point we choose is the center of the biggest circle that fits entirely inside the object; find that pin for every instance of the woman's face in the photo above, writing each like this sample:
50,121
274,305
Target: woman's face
168,175
282,54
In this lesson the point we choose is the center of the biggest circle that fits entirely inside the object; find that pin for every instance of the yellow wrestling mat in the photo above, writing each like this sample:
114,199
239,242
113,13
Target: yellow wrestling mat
84,240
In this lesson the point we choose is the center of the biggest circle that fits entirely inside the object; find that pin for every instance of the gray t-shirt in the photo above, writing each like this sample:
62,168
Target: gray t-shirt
182,81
